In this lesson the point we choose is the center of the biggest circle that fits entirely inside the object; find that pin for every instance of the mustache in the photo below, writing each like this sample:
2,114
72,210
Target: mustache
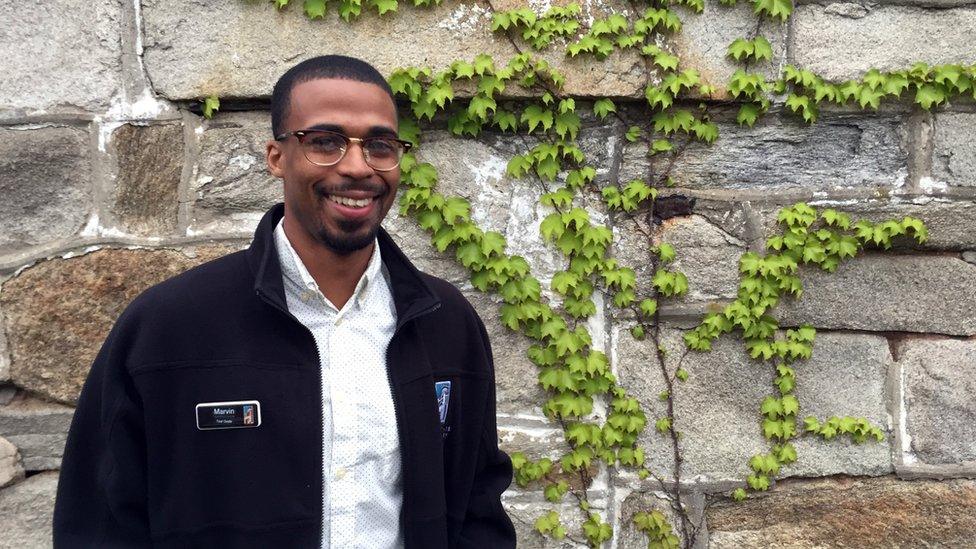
362,186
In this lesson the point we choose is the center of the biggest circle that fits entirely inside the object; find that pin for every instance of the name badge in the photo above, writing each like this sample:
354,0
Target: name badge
228,415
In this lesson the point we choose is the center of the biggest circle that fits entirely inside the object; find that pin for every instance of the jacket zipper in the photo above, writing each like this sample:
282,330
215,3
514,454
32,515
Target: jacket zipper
396,402
318,357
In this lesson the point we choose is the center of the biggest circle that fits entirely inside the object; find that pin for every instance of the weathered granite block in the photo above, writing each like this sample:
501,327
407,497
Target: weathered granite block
233,188
59,311
954,154
910,293
39,37
46,184
705,253
843,40
845,376
524,507
11,469
639,501
27,511
939,382
150,163
718,409
239,49
842,512
38,429
782,153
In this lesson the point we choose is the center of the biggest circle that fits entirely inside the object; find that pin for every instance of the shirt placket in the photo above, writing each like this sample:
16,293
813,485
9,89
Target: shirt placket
345,493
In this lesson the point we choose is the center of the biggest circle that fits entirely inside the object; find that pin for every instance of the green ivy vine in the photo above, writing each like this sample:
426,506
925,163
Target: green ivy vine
678,111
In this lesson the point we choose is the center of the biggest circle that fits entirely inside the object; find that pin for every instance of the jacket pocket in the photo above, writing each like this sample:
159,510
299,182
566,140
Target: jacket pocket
248,476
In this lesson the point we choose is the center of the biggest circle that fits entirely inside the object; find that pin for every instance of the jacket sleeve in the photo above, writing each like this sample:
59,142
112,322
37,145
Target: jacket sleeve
101,499
486,524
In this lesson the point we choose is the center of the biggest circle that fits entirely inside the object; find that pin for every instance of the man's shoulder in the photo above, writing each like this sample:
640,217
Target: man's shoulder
199,286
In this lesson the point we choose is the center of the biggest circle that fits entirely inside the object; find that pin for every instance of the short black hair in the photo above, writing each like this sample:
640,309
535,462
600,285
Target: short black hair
323,66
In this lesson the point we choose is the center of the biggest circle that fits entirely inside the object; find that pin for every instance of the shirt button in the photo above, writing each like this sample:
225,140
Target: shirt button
340,473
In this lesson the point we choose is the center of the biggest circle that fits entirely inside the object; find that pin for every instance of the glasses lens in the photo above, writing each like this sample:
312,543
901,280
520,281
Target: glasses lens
382,153
324,148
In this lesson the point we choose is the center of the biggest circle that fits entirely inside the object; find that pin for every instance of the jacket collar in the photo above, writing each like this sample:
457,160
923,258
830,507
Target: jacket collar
412,295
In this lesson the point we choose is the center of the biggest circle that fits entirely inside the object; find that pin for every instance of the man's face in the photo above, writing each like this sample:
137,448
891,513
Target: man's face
313,193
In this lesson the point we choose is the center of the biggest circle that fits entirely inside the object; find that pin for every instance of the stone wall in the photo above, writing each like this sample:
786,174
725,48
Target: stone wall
112,181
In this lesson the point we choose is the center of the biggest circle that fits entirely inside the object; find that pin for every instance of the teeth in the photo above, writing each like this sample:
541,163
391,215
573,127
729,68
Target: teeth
351,202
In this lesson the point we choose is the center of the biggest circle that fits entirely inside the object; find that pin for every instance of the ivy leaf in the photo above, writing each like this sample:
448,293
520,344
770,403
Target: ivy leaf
603,107
534,116
314,9
455,210
210,106
633,134
774,8
929,95
748,114
504,120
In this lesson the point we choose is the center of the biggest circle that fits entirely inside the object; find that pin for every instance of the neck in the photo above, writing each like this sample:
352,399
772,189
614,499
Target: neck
336,274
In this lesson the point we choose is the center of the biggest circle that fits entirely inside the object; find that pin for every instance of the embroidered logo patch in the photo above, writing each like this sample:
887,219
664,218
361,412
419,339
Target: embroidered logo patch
228,415
443,391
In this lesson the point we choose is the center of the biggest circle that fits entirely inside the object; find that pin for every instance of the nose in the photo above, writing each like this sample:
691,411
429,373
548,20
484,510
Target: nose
353,163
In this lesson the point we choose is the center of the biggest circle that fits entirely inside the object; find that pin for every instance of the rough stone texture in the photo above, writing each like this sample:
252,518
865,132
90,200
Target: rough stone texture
4,359
840,41
525,506
645,501
45,181
535,442
783,153
26,512
59,311
718,408
954,155
879,292
38,428
38,37
150,162
240,49
706,254
939,383
863,513
845,376
11,470
233,187
515,376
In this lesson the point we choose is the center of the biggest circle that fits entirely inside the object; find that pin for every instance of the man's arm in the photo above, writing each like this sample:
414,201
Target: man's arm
101,499
486,524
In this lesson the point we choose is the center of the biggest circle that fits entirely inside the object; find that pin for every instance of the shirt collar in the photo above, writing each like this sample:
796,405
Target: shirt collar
294,269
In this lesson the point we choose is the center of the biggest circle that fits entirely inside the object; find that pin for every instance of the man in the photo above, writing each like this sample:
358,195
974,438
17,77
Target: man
329,338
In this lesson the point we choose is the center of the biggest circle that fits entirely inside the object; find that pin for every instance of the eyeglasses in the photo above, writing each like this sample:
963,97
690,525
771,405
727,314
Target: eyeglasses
327,148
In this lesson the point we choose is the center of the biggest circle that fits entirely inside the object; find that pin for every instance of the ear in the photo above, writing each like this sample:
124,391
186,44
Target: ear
274,155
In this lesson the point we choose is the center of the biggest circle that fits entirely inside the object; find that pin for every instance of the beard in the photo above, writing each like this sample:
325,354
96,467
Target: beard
352,236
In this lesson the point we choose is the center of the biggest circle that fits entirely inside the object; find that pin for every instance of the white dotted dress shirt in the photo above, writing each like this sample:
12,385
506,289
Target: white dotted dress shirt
362,491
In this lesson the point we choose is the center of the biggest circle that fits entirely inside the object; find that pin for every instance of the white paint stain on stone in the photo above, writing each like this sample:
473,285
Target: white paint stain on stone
242,161
930,185
907,456
465,18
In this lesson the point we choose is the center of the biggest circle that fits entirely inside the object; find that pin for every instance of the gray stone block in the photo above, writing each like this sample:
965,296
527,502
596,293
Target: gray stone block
939,382
880,292
27,511
845,376
38,429
239,49
840,41
39,37
150,164
783,153
233,188
718,408
954,154
11,470
646,501
525,506
705,253
46,183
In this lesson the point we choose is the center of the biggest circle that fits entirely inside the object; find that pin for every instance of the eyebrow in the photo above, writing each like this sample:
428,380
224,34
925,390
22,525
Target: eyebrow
373,131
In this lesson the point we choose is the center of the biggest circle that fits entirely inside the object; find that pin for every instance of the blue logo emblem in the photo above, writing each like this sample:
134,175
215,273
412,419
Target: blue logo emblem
443,391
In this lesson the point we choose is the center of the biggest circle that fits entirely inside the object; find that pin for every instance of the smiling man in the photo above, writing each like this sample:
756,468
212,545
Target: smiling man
314,390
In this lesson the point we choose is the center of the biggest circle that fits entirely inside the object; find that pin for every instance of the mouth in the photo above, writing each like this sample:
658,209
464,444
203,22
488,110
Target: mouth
350,202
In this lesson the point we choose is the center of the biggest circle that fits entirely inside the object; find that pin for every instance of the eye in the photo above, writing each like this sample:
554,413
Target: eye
381,147
325,142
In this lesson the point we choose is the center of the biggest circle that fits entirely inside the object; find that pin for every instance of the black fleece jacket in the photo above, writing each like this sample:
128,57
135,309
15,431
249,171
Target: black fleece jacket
138,471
